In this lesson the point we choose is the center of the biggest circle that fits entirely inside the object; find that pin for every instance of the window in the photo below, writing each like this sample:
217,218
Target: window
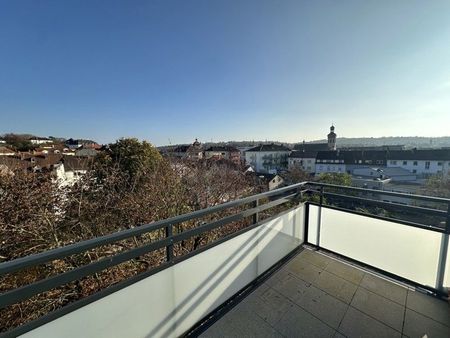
360,161
414,171
427,165
405,162
440,164
415,163
393,162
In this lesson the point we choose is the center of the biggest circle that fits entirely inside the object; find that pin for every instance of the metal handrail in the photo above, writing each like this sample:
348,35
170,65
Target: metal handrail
383,192
27,291
283,195
23,262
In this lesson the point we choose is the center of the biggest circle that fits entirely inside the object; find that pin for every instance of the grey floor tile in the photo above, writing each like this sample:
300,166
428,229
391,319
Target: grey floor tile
277,276
358,324
345,271
325,307
417,325
431,307
270,305
336,286
310,297
338,335
384,288
241,323
299,323
378,307
315,258
304,270
292,287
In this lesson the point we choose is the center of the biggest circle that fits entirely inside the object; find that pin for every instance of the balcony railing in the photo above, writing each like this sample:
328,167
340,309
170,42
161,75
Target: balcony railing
184,290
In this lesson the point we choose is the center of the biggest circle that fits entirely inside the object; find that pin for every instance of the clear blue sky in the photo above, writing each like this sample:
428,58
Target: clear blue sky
224,70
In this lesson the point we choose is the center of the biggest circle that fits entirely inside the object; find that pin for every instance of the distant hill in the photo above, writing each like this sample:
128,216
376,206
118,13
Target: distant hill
343,142
408,141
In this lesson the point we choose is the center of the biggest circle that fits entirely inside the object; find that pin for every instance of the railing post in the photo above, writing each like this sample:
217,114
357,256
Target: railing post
443,253
256,215
169,248
306,223
319,217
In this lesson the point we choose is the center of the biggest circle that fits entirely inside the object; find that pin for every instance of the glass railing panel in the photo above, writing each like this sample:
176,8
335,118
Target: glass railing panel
403,250
169,302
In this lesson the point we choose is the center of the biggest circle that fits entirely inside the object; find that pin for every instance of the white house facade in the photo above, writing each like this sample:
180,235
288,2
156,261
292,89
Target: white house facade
423,163
305,161
268,158
40,140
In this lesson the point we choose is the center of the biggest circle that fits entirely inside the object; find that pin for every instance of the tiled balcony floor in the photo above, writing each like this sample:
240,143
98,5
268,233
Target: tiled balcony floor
314,295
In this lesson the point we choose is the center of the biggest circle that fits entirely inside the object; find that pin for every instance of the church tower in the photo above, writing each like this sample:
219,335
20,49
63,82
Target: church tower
332,139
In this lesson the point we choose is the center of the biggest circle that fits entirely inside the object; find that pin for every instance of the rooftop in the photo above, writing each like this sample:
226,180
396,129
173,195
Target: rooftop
420,154
222,148
269,147
315,294
303,154
315,147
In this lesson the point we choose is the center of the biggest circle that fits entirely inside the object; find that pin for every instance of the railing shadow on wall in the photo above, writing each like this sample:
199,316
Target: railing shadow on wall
201,293
276,198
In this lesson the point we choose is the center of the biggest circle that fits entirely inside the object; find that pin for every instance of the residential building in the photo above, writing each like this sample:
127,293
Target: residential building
268,158
192,151
242,151
270,181
304,160
316,147
5,151
422,162
343,161
331,162
86,152
75,144
195,151
223,152
13,163
40,140
72,169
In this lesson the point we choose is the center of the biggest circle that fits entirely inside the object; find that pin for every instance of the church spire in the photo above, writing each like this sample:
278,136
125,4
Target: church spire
332,138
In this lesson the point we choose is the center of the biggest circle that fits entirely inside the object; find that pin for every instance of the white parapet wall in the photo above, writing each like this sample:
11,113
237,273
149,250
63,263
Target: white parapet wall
170,302
406,251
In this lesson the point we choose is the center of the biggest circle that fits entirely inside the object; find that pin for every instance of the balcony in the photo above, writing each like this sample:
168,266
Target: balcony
321,266
318,295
